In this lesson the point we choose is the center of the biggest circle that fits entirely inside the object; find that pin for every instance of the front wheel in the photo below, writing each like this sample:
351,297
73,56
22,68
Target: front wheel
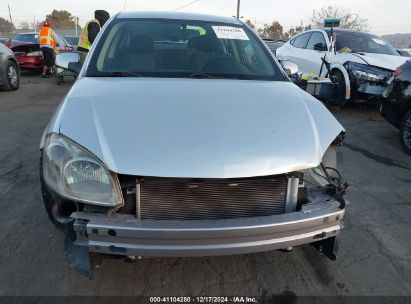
12,77
405,133
338,79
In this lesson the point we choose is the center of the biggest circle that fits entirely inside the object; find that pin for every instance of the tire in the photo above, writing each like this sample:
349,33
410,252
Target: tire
405,133
12,77
340,81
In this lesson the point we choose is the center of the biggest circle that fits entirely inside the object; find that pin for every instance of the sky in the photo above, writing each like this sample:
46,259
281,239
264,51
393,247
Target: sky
384,17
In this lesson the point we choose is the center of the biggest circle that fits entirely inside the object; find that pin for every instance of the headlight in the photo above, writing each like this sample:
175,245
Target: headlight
76,174
332,163
363,73
35,54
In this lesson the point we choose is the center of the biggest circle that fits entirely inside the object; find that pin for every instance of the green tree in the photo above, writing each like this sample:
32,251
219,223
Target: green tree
273,30
6,26
24,25
349,20
61,19
296,30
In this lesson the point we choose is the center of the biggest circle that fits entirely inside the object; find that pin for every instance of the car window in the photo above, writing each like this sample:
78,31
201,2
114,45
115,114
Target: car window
61,41
72,40
182,48
316,38
32,38
301,41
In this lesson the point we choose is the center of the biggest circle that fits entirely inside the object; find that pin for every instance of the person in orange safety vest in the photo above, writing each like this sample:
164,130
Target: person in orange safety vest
47,41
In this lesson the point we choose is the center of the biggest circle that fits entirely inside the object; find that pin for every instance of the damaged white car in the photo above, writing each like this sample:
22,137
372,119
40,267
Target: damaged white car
183,136
362,63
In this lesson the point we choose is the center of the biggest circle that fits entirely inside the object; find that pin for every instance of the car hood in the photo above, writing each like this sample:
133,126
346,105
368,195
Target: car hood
196,127
388,62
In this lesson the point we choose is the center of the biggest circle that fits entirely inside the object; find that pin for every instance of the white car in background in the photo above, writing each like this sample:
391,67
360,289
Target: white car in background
363,62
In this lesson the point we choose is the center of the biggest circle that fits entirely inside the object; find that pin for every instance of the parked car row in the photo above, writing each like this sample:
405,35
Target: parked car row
26,47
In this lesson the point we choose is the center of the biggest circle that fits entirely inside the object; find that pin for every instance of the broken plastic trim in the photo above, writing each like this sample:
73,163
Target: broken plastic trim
327,247
77,255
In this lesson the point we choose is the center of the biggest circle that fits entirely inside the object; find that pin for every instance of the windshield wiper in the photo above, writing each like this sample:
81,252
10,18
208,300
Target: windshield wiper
201,76
124,74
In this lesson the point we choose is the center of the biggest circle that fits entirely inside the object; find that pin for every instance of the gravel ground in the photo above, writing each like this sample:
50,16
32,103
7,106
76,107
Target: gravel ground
375,246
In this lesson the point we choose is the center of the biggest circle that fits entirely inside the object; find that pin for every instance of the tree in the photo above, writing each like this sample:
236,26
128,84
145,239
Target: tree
296,30
62,19
250,24
24,25
6,26
274,30
348,19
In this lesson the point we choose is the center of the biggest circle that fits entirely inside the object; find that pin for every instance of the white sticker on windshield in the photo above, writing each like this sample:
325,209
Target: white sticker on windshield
379,41
230,32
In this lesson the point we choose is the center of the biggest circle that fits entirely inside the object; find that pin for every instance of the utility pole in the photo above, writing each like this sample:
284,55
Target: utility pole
125,3
11,20
238,9
76,24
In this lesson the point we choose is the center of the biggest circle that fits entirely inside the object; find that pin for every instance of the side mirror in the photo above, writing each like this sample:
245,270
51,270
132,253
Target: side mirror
320,47
289,67
69,61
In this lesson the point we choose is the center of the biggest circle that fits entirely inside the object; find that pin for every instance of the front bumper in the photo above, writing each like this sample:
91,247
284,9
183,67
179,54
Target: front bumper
127,236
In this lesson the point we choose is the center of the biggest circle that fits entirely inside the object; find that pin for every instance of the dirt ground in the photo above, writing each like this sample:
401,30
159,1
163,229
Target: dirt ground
375,246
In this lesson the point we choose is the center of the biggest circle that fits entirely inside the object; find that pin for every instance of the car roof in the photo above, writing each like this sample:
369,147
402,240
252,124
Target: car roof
179,15
28,33
343,30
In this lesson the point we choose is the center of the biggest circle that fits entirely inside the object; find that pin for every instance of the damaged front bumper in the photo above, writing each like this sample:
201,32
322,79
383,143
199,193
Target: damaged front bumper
127,236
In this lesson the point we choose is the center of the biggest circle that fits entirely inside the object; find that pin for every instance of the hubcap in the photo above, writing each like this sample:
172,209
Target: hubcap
407,132
12,73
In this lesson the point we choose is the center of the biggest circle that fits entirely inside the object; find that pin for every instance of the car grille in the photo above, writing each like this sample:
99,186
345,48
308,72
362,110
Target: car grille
196,199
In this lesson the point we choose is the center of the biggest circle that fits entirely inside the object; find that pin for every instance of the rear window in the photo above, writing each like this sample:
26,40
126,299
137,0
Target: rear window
32,38
181,48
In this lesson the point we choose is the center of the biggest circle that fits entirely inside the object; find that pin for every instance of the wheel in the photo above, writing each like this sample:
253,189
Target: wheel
12,77
340,81
405,133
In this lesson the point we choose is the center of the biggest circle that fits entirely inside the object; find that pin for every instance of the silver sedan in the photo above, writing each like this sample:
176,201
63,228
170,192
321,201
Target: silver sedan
9,70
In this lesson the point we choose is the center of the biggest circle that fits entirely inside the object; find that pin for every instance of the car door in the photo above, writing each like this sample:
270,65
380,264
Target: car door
316,48
296,51
2,62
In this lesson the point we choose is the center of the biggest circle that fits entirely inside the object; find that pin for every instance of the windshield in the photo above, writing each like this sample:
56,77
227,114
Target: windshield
73,41
354,42
32,38
180,48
